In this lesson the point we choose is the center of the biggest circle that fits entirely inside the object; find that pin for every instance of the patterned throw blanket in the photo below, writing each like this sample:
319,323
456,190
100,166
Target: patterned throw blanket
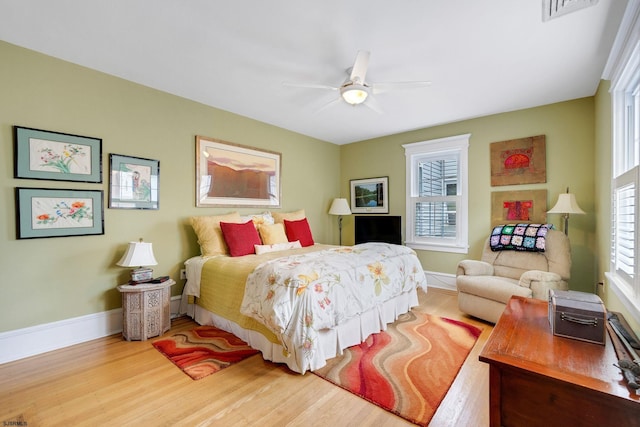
519,237
297,296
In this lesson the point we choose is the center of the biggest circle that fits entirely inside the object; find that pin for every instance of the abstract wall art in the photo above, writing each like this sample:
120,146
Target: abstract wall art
519,161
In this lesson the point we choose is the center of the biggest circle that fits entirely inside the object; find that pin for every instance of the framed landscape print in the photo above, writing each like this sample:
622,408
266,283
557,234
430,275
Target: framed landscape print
236,175
41,154
519,161
45,212
134,182
370,195
509,207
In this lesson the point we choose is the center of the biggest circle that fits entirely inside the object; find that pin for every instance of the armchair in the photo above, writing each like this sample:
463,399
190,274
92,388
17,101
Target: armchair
485,286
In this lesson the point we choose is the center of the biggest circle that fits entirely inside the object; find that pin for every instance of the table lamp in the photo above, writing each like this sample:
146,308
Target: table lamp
340,207
566,205
140,255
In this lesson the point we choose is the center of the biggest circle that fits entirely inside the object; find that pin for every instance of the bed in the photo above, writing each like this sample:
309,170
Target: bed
301,305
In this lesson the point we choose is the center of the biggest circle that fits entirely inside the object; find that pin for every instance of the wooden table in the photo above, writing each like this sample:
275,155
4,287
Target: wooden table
538,379
146,309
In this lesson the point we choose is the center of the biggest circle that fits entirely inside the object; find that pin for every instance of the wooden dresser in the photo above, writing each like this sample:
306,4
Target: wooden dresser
538,379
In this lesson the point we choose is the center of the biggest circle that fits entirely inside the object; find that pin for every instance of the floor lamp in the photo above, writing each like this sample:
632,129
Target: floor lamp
340,207
566,205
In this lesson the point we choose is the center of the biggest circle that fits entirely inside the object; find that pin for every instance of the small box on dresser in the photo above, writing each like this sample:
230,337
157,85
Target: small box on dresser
146,309
578,315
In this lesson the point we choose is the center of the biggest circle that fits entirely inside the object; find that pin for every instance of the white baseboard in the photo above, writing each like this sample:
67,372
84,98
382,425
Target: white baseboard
26,342
21,343
441,280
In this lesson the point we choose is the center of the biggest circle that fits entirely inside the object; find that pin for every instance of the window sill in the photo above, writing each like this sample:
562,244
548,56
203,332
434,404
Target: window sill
438,248
625,299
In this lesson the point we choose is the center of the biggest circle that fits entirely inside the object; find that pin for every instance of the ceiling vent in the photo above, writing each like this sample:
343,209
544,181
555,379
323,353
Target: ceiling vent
555,8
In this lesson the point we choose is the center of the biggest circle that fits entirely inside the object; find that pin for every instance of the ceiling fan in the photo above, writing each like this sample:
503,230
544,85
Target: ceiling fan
355,90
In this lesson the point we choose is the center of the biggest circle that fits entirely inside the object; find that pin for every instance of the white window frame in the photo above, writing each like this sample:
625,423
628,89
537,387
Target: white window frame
454,145
623,69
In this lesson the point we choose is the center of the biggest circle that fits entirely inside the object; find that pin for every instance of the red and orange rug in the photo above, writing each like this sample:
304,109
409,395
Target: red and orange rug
203,350
408,368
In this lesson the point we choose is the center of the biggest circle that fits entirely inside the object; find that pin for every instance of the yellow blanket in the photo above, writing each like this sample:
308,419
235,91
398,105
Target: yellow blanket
222,286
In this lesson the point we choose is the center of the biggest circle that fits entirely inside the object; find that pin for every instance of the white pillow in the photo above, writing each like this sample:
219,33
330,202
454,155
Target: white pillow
263,249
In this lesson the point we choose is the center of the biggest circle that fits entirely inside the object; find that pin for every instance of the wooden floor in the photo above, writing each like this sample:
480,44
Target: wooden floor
118,383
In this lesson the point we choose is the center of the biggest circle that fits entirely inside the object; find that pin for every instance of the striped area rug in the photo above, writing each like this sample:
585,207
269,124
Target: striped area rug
408,368
203,350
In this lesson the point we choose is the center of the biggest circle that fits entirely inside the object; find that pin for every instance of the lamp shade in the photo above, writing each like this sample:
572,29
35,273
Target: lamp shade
566,204
138,254
339,207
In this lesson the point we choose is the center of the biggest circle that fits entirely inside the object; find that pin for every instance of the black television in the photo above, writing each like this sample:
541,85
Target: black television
378,228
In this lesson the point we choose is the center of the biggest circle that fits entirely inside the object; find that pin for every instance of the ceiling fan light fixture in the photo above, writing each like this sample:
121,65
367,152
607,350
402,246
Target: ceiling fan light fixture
354,94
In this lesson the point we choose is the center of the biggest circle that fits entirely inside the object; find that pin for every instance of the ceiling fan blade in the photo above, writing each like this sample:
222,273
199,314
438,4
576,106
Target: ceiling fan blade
309,85
328,105
359,70
386,87
373,105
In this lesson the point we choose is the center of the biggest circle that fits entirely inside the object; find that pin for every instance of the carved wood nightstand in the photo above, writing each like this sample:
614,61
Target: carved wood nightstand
146,309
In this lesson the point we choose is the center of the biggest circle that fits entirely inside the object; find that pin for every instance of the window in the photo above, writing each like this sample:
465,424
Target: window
437,194
625,182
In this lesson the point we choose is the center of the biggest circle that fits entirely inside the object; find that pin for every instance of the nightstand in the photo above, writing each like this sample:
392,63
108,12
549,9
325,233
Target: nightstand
146,309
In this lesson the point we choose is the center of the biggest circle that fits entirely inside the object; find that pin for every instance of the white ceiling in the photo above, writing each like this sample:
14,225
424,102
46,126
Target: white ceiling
482,57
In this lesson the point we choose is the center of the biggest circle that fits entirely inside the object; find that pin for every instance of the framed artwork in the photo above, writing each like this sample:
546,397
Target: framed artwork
135,182
45,212
370,195
41,154
236,175
508,207
519,161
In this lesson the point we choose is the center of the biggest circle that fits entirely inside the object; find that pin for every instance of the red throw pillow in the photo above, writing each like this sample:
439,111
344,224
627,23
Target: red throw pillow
299,230
241,238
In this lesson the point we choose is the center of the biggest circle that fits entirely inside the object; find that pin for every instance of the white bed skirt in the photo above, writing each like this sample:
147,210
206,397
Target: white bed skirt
332,341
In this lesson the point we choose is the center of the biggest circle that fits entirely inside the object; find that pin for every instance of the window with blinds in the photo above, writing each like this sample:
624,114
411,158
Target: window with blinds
625,100
437,194
624,220
437,190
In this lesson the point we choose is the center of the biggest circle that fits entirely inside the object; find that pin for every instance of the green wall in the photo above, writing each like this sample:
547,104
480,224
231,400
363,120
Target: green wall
569,130
45,280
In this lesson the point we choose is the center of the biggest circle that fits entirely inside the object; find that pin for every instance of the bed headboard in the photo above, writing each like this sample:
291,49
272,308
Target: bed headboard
378,228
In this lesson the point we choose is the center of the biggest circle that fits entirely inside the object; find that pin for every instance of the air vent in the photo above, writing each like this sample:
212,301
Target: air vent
555,8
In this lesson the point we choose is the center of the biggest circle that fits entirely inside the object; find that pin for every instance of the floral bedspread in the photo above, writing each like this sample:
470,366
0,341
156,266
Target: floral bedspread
297,296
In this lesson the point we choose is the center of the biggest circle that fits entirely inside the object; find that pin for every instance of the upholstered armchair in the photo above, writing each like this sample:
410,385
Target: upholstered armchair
485,286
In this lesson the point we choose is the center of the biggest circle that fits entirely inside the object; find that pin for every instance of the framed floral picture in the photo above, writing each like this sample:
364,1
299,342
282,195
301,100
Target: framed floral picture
134,182
370,195
45,212
41,154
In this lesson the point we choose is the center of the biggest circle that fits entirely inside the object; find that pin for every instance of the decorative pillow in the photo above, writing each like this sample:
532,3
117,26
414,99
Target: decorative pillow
289,216
519,237
241,238
299,230
258,219
209,234
272,234
263,249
